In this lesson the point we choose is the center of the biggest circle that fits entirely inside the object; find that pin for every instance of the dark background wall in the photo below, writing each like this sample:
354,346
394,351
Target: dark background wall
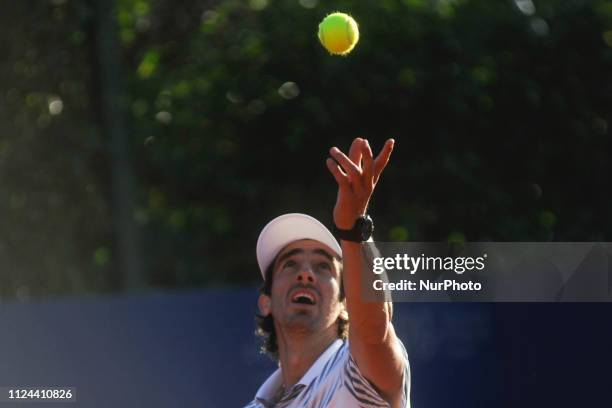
197,349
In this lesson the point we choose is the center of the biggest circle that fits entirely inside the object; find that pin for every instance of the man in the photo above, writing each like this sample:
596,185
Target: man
312,287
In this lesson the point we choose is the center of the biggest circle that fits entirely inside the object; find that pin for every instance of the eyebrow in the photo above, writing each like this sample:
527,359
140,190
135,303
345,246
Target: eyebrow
296,251
286,255
324,253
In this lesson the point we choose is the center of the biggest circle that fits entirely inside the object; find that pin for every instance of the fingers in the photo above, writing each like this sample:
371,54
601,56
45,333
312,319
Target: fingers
383,158
351,168
355,151
341,177
368,165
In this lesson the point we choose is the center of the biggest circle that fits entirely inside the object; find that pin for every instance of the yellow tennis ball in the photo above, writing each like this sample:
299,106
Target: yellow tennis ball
338,33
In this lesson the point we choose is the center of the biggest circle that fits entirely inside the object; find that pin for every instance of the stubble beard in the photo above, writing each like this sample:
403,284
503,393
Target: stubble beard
302,322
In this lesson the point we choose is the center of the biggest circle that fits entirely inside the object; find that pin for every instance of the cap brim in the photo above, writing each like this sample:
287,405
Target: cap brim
286,229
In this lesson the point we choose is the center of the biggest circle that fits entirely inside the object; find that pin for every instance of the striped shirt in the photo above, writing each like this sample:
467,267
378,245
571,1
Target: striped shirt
333,381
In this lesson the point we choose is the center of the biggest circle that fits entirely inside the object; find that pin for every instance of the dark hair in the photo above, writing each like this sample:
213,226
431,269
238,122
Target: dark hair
265,324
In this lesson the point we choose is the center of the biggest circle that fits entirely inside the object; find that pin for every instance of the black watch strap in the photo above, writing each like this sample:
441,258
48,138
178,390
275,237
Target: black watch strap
362,230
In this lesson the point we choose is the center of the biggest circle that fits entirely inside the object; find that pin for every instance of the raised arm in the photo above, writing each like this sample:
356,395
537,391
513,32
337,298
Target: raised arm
372,339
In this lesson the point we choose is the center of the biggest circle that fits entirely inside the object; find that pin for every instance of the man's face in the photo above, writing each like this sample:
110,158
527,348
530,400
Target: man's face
306,287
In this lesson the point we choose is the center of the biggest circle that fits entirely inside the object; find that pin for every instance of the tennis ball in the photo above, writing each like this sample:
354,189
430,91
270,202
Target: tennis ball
338,33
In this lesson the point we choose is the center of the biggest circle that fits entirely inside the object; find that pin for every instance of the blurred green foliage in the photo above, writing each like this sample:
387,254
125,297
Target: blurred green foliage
500,110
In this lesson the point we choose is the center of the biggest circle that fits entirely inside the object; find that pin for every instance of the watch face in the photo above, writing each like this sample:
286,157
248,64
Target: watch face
366,228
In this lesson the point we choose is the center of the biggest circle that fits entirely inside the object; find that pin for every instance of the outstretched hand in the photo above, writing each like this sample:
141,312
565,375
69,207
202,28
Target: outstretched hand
356,176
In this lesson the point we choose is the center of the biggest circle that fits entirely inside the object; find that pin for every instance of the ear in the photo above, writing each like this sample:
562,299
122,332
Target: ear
343,312
265,304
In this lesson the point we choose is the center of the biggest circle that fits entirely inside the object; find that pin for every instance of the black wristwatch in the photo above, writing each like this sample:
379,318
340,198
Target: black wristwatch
362,230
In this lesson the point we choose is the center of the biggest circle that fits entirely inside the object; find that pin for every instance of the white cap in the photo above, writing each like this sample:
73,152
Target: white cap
286,229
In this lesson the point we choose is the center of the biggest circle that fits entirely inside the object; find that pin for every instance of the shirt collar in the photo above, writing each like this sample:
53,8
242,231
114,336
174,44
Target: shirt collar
269,387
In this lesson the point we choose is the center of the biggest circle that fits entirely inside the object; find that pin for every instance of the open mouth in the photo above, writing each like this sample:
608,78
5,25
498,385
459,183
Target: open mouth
303,298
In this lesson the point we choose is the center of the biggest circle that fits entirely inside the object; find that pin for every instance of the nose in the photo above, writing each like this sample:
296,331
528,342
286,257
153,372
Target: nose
305,274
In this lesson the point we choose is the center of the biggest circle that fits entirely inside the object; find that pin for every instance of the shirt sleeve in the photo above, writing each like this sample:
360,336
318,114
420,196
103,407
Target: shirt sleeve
365,393
407,377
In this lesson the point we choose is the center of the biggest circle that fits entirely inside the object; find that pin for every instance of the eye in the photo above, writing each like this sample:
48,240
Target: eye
289,264
325,266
